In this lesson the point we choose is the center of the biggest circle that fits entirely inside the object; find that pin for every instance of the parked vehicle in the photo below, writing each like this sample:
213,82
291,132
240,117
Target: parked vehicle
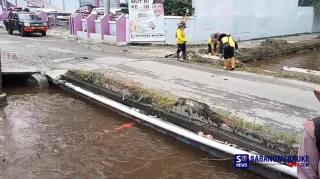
51,14
98,11
25,22
46,10
114,13
87,9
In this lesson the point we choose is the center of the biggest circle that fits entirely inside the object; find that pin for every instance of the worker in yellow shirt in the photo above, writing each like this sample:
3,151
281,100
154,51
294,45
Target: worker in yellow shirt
227,47
181,41
213,44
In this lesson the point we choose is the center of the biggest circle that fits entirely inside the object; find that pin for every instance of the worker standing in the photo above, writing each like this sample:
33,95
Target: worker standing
181,41
213,44
227,47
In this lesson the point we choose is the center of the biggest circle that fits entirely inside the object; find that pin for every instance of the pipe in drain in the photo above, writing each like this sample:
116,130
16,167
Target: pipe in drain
39,80
291,171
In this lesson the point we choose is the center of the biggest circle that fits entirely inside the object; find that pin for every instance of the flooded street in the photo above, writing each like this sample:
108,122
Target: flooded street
52,134
308,60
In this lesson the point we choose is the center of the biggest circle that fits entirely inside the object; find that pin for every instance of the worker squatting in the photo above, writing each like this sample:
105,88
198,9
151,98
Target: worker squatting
219,43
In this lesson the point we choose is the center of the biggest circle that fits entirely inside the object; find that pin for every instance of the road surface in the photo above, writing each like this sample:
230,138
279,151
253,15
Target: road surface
274,102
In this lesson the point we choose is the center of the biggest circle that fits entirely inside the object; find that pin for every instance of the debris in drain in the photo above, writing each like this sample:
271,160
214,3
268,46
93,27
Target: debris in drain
125,126
208,136
122,127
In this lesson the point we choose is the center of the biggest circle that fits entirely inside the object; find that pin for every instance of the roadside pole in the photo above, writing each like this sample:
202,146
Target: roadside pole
3,96
106,7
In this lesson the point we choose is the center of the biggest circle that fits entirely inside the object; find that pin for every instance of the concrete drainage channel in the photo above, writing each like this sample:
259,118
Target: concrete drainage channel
216,148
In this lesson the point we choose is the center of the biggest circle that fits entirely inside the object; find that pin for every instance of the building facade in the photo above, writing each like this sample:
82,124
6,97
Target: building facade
249,19
69,6
245,19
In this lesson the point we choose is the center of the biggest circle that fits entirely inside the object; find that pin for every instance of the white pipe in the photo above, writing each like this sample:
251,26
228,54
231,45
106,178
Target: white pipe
180,131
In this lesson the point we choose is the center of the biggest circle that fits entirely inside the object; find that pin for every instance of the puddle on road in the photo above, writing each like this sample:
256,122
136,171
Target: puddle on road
51,134
307,60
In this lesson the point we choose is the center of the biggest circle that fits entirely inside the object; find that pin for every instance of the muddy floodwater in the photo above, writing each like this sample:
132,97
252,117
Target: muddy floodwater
308,60
52,134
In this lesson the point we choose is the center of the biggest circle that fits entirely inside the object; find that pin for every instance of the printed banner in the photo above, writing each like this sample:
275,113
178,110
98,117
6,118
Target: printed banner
146,20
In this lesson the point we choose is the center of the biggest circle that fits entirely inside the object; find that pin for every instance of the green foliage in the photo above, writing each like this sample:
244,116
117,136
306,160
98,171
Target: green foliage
178,8
315,3
287,137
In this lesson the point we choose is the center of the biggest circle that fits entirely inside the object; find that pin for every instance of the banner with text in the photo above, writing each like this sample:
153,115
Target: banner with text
146,20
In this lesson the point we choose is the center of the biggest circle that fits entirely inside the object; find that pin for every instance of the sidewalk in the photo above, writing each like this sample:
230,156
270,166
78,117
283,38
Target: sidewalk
160,51
275,103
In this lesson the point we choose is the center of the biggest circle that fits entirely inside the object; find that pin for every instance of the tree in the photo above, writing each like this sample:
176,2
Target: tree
315,3
178,8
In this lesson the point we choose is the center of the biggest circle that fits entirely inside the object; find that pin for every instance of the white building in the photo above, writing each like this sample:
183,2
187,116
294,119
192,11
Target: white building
248,19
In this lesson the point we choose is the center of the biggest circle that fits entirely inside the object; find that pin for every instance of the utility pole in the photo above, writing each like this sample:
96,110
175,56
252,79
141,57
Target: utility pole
106,7
3,96
4,5
63,6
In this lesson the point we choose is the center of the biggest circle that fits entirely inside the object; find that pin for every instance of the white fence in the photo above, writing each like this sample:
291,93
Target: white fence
316,23
248,19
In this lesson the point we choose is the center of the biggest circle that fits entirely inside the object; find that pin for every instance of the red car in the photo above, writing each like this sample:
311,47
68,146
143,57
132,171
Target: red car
25,22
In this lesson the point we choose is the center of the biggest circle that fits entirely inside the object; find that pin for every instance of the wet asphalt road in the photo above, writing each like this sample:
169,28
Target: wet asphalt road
278,103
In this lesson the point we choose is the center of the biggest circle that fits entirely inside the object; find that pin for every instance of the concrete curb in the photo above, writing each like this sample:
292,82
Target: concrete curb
214,60
300,73
3,100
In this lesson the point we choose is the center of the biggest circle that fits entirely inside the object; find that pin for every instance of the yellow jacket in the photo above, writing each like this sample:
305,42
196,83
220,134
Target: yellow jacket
211,42
181,36
228,39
